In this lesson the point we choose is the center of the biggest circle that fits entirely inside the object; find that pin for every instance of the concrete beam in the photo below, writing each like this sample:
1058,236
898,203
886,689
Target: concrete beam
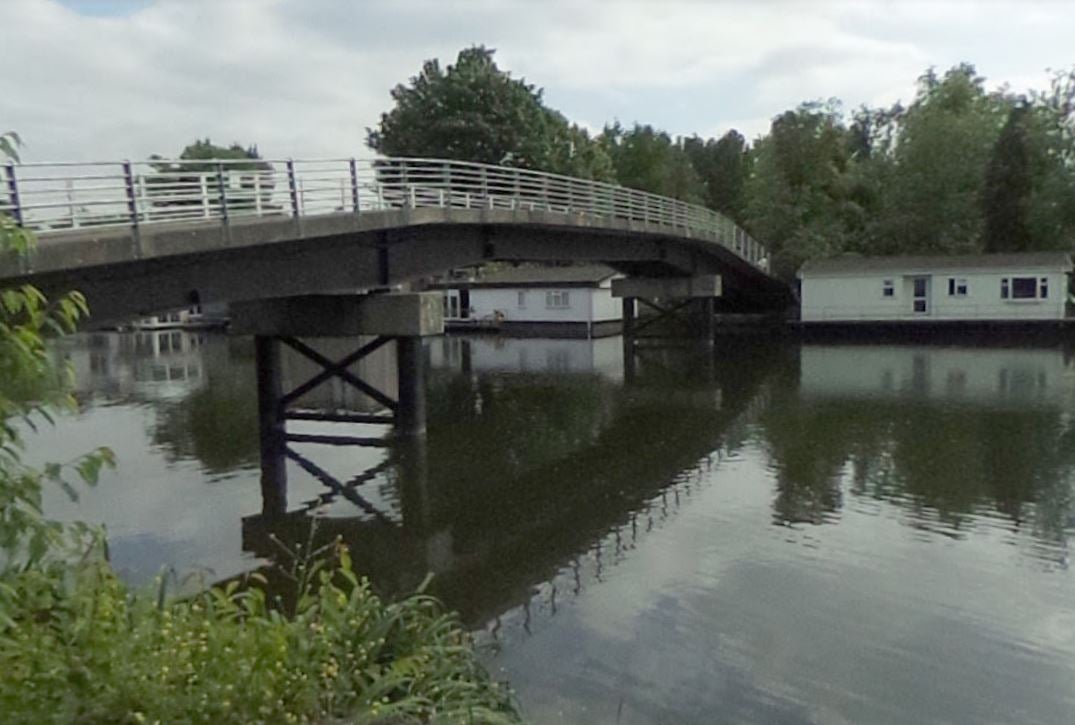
706,285
341,315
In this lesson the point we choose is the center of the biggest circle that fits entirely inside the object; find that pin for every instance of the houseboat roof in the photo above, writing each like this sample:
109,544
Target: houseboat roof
576,275
851,265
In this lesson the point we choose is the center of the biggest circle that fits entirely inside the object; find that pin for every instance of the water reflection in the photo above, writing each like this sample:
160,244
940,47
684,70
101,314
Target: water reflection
523,472
771,533
948,435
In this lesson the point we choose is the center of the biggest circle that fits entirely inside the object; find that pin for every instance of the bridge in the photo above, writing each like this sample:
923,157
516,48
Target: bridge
142,237
339,248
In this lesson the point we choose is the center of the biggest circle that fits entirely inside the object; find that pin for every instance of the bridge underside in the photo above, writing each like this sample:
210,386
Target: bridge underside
125,275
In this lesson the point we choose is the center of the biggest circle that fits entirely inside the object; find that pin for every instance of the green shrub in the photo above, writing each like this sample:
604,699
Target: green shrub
86,649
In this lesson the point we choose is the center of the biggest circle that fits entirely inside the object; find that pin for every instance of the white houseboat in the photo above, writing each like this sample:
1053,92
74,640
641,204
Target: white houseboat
535,301
195,317
972,288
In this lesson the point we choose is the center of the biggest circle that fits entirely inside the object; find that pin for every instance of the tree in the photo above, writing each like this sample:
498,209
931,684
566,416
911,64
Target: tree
1008,184
650,160
193,182
932,203
1050,204
574,153
798,200
722,166
471,111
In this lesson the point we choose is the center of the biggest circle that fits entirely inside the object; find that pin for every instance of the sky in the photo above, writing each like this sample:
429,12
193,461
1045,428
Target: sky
110,79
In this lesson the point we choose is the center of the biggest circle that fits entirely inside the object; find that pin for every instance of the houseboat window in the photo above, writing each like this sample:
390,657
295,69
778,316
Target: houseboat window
1044,289
1004,288
522,299
1024,288
557,299
957,287
888,289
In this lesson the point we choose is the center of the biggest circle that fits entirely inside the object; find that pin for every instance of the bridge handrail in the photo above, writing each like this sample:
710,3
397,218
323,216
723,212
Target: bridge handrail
54,197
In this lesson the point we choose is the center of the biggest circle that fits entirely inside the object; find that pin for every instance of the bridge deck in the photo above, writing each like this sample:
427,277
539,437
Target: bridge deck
143,237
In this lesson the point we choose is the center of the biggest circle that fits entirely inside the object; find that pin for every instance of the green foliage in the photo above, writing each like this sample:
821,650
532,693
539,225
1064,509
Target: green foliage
207,150
473,111
647,159
933,203
959,170
574,153
32,387
722,166
470,111
937,176
177,184
87,649
1008,184
798,199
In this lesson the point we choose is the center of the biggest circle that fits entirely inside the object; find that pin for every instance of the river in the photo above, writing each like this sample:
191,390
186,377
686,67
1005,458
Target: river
771,532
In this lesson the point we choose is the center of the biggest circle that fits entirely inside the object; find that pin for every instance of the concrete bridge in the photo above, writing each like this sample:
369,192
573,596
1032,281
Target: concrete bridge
142,237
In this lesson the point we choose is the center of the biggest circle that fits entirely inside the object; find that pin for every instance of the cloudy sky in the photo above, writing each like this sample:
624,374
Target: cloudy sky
106,79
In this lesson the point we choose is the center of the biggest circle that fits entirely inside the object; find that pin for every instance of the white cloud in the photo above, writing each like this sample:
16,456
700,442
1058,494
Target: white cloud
111,79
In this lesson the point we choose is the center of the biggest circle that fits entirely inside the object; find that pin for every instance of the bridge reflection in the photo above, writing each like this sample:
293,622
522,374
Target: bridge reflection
523,476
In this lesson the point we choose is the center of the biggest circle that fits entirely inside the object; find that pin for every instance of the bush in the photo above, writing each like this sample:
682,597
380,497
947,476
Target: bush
86,649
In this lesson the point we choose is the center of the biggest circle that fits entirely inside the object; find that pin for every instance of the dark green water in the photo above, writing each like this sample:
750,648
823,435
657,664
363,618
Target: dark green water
773,533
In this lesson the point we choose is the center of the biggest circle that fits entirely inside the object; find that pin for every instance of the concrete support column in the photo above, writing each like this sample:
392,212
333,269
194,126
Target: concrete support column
709,328
413,471
411,410
628,339
271,431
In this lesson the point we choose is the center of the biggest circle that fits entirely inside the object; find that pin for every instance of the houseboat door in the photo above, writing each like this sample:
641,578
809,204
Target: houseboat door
457,304
920,297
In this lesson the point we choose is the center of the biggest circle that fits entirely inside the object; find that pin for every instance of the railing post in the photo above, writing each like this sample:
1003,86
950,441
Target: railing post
13,194
353,165
257,193
143,196
292,188
222,192
72,209
132,199
204,183
405,186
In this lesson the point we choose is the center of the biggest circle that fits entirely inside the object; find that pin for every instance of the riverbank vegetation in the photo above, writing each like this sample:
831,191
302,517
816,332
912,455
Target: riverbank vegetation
79,645
959,169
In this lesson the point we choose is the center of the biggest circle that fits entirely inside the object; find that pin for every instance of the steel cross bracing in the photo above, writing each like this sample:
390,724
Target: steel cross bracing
53,198
276,439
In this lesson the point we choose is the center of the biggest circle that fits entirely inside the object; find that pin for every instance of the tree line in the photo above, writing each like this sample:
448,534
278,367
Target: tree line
960,169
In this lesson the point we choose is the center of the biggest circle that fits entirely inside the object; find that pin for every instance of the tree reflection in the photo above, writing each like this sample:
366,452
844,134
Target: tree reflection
944,461
215,423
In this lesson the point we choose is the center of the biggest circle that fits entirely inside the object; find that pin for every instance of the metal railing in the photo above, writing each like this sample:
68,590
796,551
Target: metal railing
56,197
